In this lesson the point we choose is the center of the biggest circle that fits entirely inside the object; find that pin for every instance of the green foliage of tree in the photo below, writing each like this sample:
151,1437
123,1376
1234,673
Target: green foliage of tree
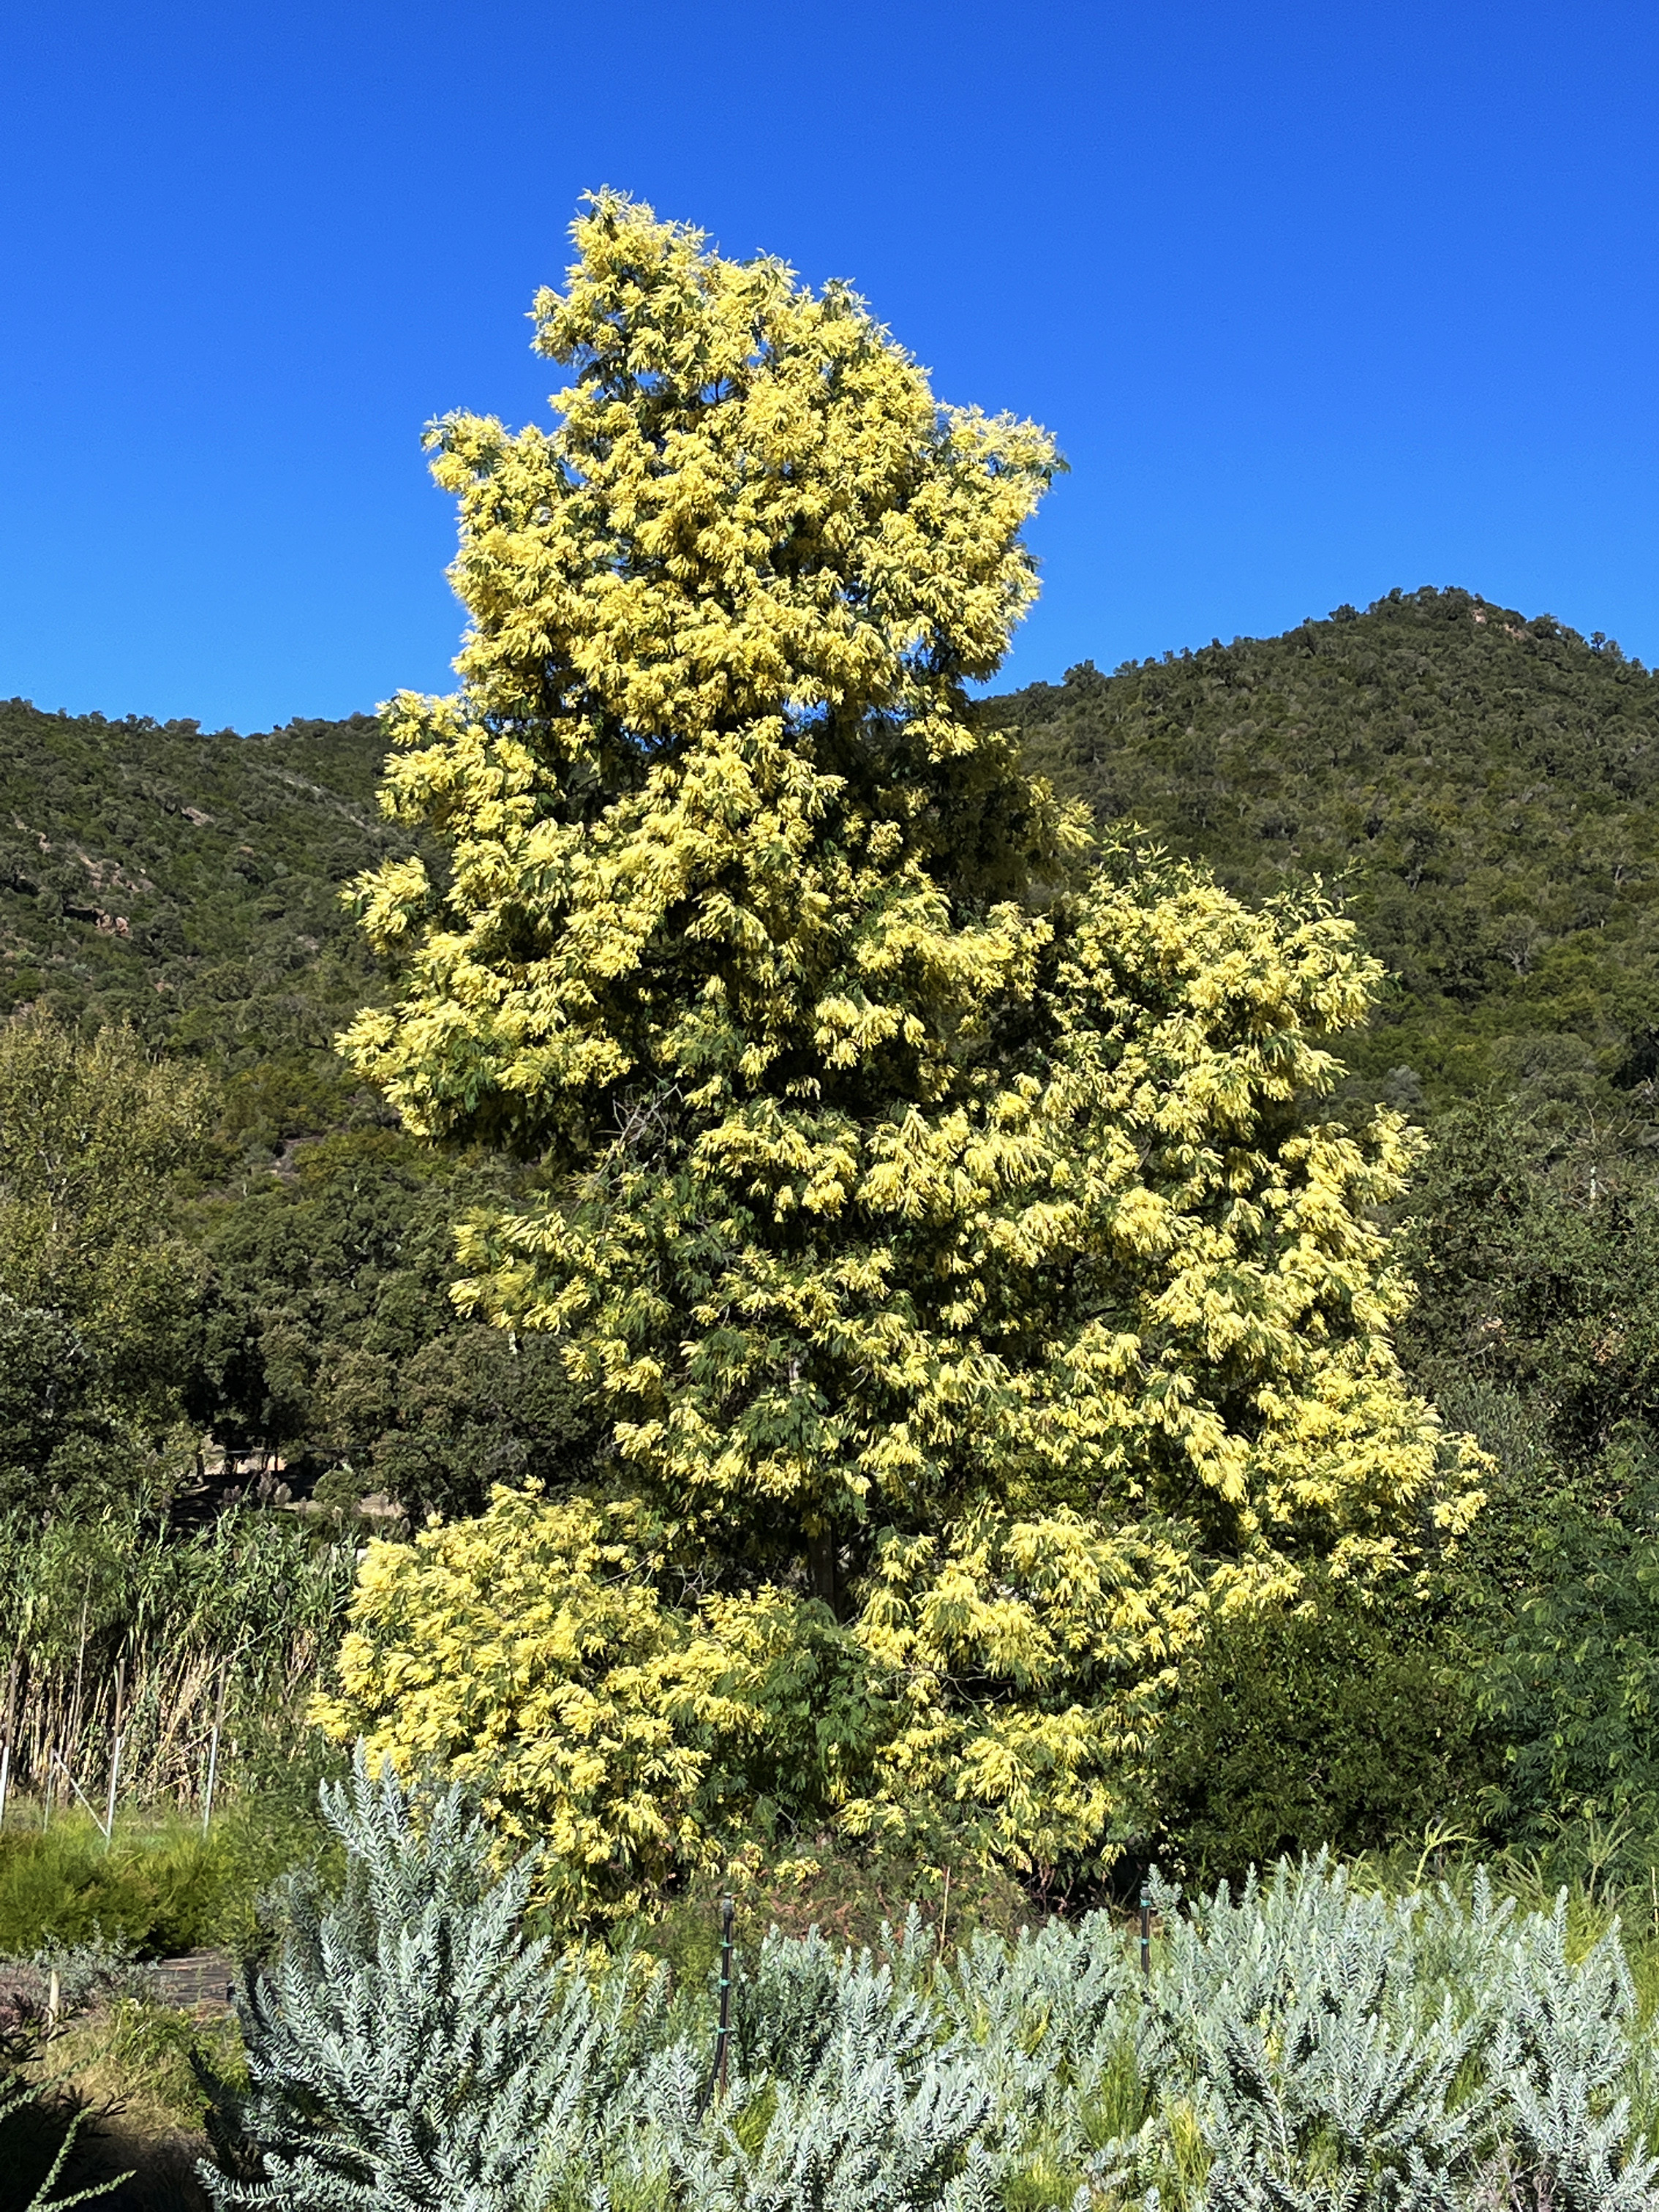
98,1289
1481,787
1534,1242
1533,1235
1570,1679
1353,1721
329,1335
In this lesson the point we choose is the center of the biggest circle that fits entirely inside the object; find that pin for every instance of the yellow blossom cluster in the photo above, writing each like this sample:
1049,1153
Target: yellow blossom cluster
937,1203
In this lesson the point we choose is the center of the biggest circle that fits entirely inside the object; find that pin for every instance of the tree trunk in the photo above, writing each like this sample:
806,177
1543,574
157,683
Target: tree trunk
823,1568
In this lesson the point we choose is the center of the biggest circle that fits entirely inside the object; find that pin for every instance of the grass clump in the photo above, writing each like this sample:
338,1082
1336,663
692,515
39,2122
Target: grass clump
160,1886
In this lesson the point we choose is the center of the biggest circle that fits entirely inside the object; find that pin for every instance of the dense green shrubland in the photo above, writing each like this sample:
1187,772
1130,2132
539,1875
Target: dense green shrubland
1350,1723
188,883
1482,788
1305,2044
160,1886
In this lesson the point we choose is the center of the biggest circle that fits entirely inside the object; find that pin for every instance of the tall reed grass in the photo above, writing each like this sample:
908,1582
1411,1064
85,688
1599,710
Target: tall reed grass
159,1659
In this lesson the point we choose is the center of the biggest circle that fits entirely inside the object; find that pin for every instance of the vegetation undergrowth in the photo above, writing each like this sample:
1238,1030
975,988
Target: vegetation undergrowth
112,2094
1308,2041
159,1885
428,1883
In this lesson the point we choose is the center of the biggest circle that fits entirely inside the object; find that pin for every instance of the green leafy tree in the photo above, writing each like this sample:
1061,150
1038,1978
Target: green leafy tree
1567,1675
1349,1723
942,1226
1534,1237
98,1289
1533,1240
329,1336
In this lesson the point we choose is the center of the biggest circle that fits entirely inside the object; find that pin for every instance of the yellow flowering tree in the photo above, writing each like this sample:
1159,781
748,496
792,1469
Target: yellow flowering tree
937,1206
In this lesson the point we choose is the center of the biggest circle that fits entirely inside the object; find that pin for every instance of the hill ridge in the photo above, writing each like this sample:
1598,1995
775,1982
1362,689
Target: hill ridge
1481,788
1483,794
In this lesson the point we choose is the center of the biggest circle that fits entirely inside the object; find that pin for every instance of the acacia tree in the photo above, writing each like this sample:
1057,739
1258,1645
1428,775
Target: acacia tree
933,1202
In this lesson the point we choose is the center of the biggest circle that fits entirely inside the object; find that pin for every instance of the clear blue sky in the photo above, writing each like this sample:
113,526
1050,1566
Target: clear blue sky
1319,298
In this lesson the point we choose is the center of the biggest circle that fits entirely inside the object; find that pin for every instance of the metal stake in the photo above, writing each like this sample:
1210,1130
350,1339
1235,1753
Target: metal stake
109,1805
728,1912
1145,1937
213,1755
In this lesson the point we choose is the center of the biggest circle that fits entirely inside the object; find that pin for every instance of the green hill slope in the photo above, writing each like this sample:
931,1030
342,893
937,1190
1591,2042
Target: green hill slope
189,882
1482,790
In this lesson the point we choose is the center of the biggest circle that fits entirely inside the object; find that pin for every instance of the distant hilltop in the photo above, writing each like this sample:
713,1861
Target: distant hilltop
1480,789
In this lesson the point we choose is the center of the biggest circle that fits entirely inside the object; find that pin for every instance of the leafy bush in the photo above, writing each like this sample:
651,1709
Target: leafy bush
103,1969
1571,1672
1303,2047
157,1888
1327,2049
160,1887
1353,1724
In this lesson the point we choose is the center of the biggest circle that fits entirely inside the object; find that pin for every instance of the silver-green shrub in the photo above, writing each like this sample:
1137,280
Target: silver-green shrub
1306,2046
1563,2058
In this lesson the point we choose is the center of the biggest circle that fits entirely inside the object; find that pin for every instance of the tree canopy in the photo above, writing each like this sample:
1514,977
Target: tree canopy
933,1207
98,1289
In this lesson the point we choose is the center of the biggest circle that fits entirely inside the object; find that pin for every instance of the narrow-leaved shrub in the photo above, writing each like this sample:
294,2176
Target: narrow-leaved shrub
1303,2046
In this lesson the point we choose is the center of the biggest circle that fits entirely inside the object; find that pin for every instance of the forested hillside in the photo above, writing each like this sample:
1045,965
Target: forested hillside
1482,791
189,882
1478,788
